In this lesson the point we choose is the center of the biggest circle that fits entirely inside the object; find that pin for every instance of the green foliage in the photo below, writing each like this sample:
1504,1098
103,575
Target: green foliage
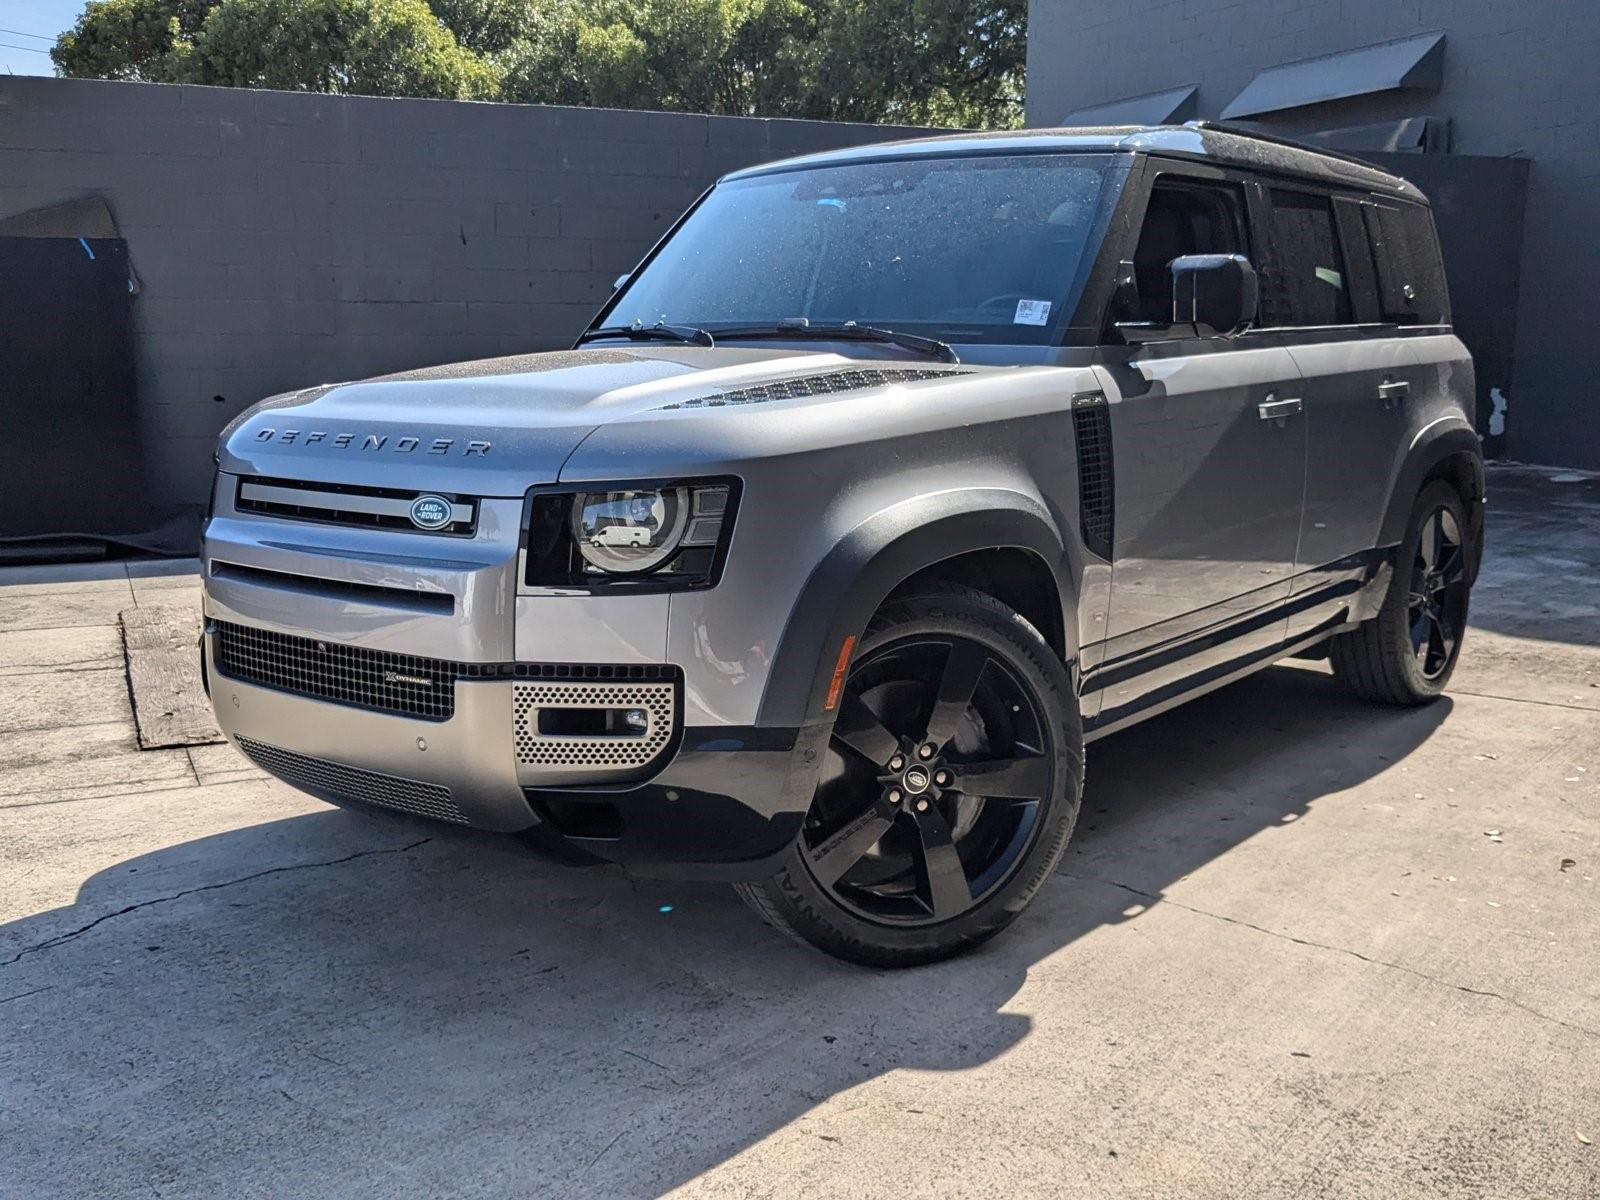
919,61
488,26
362,47
711,56
132,39
946,62
367,47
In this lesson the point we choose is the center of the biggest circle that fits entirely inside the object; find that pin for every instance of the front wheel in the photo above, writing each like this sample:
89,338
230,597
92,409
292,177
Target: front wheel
1406,654
948,791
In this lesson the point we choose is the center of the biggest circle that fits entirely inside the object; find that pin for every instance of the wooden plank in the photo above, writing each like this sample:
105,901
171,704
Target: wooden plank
169,704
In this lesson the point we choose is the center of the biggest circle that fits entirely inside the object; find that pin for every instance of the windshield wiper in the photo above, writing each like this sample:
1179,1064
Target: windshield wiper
659,332
849,331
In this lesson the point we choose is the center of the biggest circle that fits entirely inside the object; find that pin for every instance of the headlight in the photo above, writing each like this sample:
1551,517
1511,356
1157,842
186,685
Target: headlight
629,532
653,536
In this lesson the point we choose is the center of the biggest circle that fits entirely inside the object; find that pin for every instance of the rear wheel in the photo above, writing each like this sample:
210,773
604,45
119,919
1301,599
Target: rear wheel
947,794
1406,654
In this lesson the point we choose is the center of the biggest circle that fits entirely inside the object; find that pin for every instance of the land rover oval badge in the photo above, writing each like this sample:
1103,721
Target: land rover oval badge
430,512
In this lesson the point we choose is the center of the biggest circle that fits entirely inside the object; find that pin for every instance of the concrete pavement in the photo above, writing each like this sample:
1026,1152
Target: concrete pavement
1299,948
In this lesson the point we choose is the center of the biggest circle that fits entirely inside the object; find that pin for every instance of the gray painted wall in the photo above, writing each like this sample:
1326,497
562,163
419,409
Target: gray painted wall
1519,80
285,239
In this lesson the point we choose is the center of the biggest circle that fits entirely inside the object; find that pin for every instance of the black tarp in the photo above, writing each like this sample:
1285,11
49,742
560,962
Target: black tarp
70,454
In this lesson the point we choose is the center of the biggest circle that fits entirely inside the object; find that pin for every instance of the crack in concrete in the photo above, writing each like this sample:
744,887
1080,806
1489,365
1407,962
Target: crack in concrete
77,666
1583,708
177,784
1298,941
602,1153
24,995
63,938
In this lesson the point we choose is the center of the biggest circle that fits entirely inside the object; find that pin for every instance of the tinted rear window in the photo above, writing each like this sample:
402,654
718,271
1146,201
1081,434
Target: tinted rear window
1411,283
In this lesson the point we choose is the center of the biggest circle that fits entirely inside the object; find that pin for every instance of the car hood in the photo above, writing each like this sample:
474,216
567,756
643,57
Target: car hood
512,421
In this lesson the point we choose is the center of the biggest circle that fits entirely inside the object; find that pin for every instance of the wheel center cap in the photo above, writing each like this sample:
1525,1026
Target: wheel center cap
916,779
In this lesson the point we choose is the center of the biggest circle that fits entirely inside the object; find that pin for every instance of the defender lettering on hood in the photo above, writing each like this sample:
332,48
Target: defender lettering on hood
372,442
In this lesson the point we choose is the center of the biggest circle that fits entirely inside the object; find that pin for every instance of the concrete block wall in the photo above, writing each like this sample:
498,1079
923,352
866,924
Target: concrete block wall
1519,80
285,239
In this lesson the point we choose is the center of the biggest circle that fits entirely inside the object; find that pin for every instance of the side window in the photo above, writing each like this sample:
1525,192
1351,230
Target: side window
1306,284
1411,283
1182,218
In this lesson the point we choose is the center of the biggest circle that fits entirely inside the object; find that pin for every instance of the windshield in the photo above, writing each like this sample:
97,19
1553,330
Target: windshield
979,249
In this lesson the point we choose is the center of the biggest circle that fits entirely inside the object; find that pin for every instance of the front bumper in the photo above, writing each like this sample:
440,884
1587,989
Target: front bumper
727,802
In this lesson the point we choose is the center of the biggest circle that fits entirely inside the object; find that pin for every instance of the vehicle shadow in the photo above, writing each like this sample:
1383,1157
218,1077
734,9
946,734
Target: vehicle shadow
450,1017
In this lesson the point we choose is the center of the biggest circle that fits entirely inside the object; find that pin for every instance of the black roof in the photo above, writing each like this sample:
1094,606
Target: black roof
1195,140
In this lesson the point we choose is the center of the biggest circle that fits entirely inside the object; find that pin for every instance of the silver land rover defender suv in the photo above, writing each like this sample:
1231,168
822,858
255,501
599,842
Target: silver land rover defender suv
889,479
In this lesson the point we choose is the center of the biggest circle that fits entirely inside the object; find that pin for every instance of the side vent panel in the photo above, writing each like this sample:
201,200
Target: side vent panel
1091,427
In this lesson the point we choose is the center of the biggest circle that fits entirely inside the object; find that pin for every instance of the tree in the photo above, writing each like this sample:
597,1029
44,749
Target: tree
488,26
362,47
914,61
711,56
367,47
132,39
942,62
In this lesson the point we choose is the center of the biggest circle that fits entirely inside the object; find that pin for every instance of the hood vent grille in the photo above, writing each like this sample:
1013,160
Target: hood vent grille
821,383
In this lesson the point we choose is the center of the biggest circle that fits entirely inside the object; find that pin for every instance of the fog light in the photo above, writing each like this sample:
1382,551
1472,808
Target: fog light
636,718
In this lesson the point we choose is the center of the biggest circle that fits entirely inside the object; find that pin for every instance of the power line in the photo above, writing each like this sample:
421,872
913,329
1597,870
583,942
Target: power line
22,33
29,49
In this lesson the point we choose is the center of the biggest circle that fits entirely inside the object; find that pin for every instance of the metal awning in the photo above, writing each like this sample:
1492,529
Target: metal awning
1415,63
1171,107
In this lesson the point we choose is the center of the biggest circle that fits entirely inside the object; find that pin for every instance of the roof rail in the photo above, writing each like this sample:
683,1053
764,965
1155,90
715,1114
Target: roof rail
1278,140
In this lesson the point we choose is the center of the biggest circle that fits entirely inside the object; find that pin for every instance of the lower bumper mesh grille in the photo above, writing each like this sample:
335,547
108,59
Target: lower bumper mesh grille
337,781
377,679
657,701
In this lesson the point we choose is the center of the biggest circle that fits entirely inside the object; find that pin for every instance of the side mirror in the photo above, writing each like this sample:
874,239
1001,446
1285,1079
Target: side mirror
616,284
1217,294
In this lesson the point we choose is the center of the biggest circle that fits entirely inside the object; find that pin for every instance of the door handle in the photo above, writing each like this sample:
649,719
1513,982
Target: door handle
1394,391
1277,410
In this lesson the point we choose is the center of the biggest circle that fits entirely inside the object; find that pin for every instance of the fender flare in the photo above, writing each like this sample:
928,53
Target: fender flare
1446,438
850,582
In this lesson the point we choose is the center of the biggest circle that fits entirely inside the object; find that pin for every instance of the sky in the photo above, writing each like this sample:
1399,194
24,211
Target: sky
21,54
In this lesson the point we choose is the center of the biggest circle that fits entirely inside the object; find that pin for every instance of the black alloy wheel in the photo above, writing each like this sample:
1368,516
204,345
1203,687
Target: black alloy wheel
1406,654
942,743
952,774
1437,602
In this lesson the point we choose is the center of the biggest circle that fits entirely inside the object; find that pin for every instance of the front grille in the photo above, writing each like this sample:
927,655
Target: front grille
403,684
335,781
349,504
393,683
658,701
818,384
1091,425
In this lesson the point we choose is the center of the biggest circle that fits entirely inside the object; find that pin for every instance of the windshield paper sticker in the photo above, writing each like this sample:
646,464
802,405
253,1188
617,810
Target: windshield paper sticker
1032,312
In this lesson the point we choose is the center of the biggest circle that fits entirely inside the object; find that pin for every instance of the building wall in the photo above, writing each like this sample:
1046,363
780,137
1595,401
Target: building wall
1519,80
284,239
